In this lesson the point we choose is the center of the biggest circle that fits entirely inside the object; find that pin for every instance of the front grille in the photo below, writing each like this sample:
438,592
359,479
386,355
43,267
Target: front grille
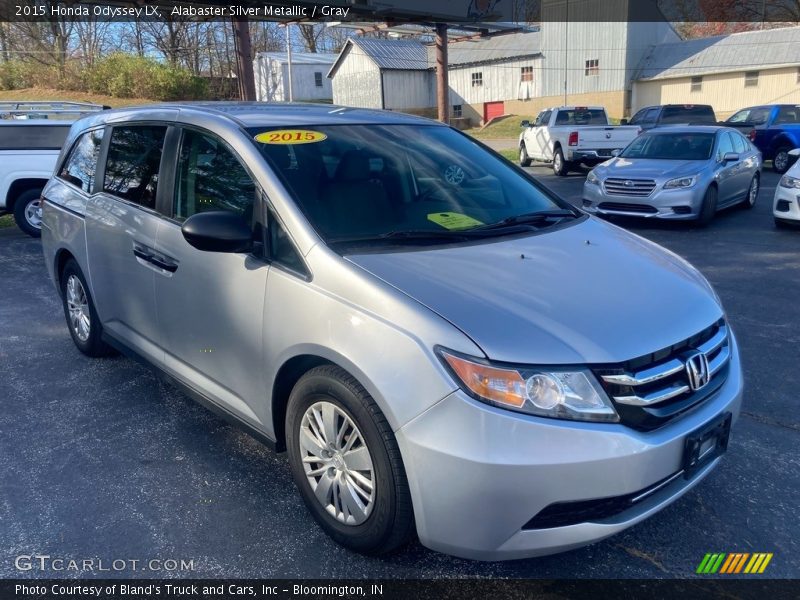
651,390
644,209
562,514
616,186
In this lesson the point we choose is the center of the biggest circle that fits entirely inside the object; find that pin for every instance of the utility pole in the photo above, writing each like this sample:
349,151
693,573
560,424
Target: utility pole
442,84
566,52
288,63
244,59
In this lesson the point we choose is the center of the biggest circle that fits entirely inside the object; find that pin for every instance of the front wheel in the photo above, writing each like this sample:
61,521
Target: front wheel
709,207
752,193
524,159
780,162
28,212
560,166
346,463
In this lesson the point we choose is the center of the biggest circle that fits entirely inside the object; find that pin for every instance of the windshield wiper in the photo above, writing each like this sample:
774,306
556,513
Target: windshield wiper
412,234
532,218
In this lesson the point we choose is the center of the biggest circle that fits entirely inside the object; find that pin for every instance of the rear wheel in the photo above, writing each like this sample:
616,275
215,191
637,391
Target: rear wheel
346,463
28,212
780,162
752,193
709,207
560,166
524,159
84,325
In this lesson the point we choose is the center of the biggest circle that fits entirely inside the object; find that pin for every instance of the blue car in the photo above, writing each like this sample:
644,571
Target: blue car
773,128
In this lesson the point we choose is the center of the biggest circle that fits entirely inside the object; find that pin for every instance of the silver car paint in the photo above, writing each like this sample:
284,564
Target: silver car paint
732,180
378,328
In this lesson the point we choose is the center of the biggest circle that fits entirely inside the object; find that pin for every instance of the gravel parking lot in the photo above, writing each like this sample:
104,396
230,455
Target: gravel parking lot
99,459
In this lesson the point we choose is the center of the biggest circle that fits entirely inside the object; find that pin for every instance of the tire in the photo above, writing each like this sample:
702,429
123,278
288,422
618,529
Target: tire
560,166
524,159
27,213
709,207
82,320
384,519
781,161
752,194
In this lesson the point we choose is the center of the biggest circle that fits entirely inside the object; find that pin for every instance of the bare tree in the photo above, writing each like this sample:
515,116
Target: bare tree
91,39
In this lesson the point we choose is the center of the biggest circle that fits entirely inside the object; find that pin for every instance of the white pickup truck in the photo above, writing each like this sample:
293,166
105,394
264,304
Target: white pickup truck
31,136
570,135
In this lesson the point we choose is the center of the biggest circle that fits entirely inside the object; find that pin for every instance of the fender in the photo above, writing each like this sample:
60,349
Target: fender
14,175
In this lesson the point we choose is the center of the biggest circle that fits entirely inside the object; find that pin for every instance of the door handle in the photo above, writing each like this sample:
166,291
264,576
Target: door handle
153,259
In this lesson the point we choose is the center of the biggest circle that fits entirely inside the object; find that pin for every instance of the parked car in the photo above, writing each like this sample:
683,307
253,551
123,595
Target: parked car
677,173
786,204
774,129
674,114
29,146
404,312
569,136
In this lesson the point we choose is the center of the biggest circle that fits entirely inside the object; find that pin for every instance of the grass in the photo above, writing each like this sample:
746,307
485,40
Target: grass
510,154
44,94
6,221
507,127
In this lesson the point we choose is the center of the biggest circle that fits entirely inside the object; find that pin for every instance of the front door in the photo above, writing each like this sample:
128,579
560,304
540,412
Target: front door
728,173
211,304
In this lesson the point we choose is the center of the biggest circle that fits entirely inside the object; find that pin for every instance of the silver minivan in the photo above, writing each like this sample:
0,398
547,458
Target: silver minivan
442,346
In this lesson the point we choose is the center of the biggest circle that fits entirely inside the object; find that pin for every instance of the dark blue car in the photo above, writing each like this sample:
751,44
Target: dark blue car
773,128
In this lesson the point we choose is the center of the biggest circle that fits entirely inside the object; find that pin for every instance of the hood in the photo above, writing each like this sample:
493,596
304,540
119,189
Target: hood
586,293
649,168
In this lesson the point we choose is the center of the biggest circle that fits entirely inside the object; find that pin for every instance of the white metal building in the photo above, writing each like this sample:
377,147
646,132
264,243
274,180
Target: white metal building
309,81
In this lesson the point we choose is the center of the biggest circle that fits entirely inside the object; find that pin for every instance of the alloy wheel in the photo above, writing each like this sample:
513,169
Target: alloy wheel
337,463
33,214
753,193
78,306
781,161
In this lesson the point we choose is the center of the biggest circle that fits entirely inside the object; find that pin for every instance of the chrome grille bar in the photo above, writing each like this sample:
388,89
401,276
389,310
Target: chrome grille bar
654,397
715,342
647,375
629,187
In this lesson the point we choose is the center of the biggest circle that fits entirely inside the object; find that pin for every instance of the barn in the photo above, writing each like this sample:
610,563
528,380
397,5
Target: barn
728,72
309,83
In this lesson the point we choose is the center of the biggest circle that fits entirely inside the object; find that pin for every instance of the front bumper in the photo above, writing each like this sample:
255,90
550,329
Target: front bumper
786,204
660,204
478,474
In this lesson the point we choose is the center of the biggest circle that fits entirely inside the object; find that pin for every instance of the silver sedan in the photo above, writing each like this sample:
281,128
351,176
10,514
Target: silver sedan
677,173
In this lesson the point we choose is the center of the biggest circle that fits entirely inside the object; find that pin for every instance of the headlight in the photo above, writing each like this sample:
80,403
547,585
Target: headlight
681,182
592,178
546,392
790,182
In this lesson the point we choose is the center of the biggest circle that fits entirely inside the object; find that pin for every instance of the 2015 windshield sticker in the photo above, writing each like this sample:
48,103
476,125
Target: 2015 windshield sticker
453,220
290,136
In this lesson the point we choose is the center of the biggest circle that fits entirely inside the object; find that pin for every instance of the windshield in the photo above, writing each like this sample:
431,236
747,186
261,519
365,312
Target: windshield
671,146
687,114
362,182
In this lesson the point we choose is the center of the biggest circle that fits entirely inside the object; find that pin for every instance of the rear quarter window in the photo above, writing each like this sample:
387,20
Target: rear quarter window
134,157
80,166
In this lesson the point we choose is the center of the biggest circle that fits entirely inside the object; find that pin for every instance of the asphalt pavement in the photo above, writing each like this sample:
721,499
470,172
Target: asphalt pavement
100,460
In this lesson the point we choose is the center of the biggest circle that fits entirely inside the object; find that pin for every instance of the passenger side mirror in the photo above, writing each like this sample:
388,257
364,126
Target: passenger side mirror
525,123
623,121
730,157
795,152
218,231
616,152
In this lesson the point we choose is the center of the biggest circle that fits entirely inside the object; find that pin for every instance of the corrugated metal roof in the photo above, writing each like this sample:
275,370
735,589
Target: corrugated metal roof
394,54
751,50
489,49
301,58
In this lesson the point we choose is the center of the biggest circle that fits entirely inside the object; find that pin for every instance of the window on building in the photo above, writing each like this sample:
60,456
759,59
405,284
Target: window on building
210,178
798,74
592,67
457,111
477,79
751,79
697,84
134,156
526,74
318,79
81,163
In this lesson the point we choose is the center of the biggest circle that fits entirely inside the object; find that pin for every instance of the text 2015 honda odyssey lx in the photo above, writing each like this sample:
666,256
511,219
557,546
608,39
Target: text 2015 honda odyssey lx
439,343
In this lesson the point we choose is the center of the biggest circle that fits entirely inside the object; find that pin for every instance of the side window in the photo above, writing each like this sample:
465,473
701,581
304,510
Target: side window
80,166
134,156
739,144
636,119
210,177
725,144
281,249
651,116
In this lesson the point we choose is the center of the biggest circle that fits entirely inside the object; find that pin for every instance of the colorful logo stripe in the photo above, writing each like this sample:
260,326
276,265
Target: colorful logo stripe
734,562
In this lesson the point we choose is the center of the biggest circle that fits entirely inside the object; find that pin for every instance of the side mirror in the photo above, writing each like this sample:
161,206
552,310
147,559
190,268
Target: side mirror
730,157
525,123
623,121
218,231
795,152
616,152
